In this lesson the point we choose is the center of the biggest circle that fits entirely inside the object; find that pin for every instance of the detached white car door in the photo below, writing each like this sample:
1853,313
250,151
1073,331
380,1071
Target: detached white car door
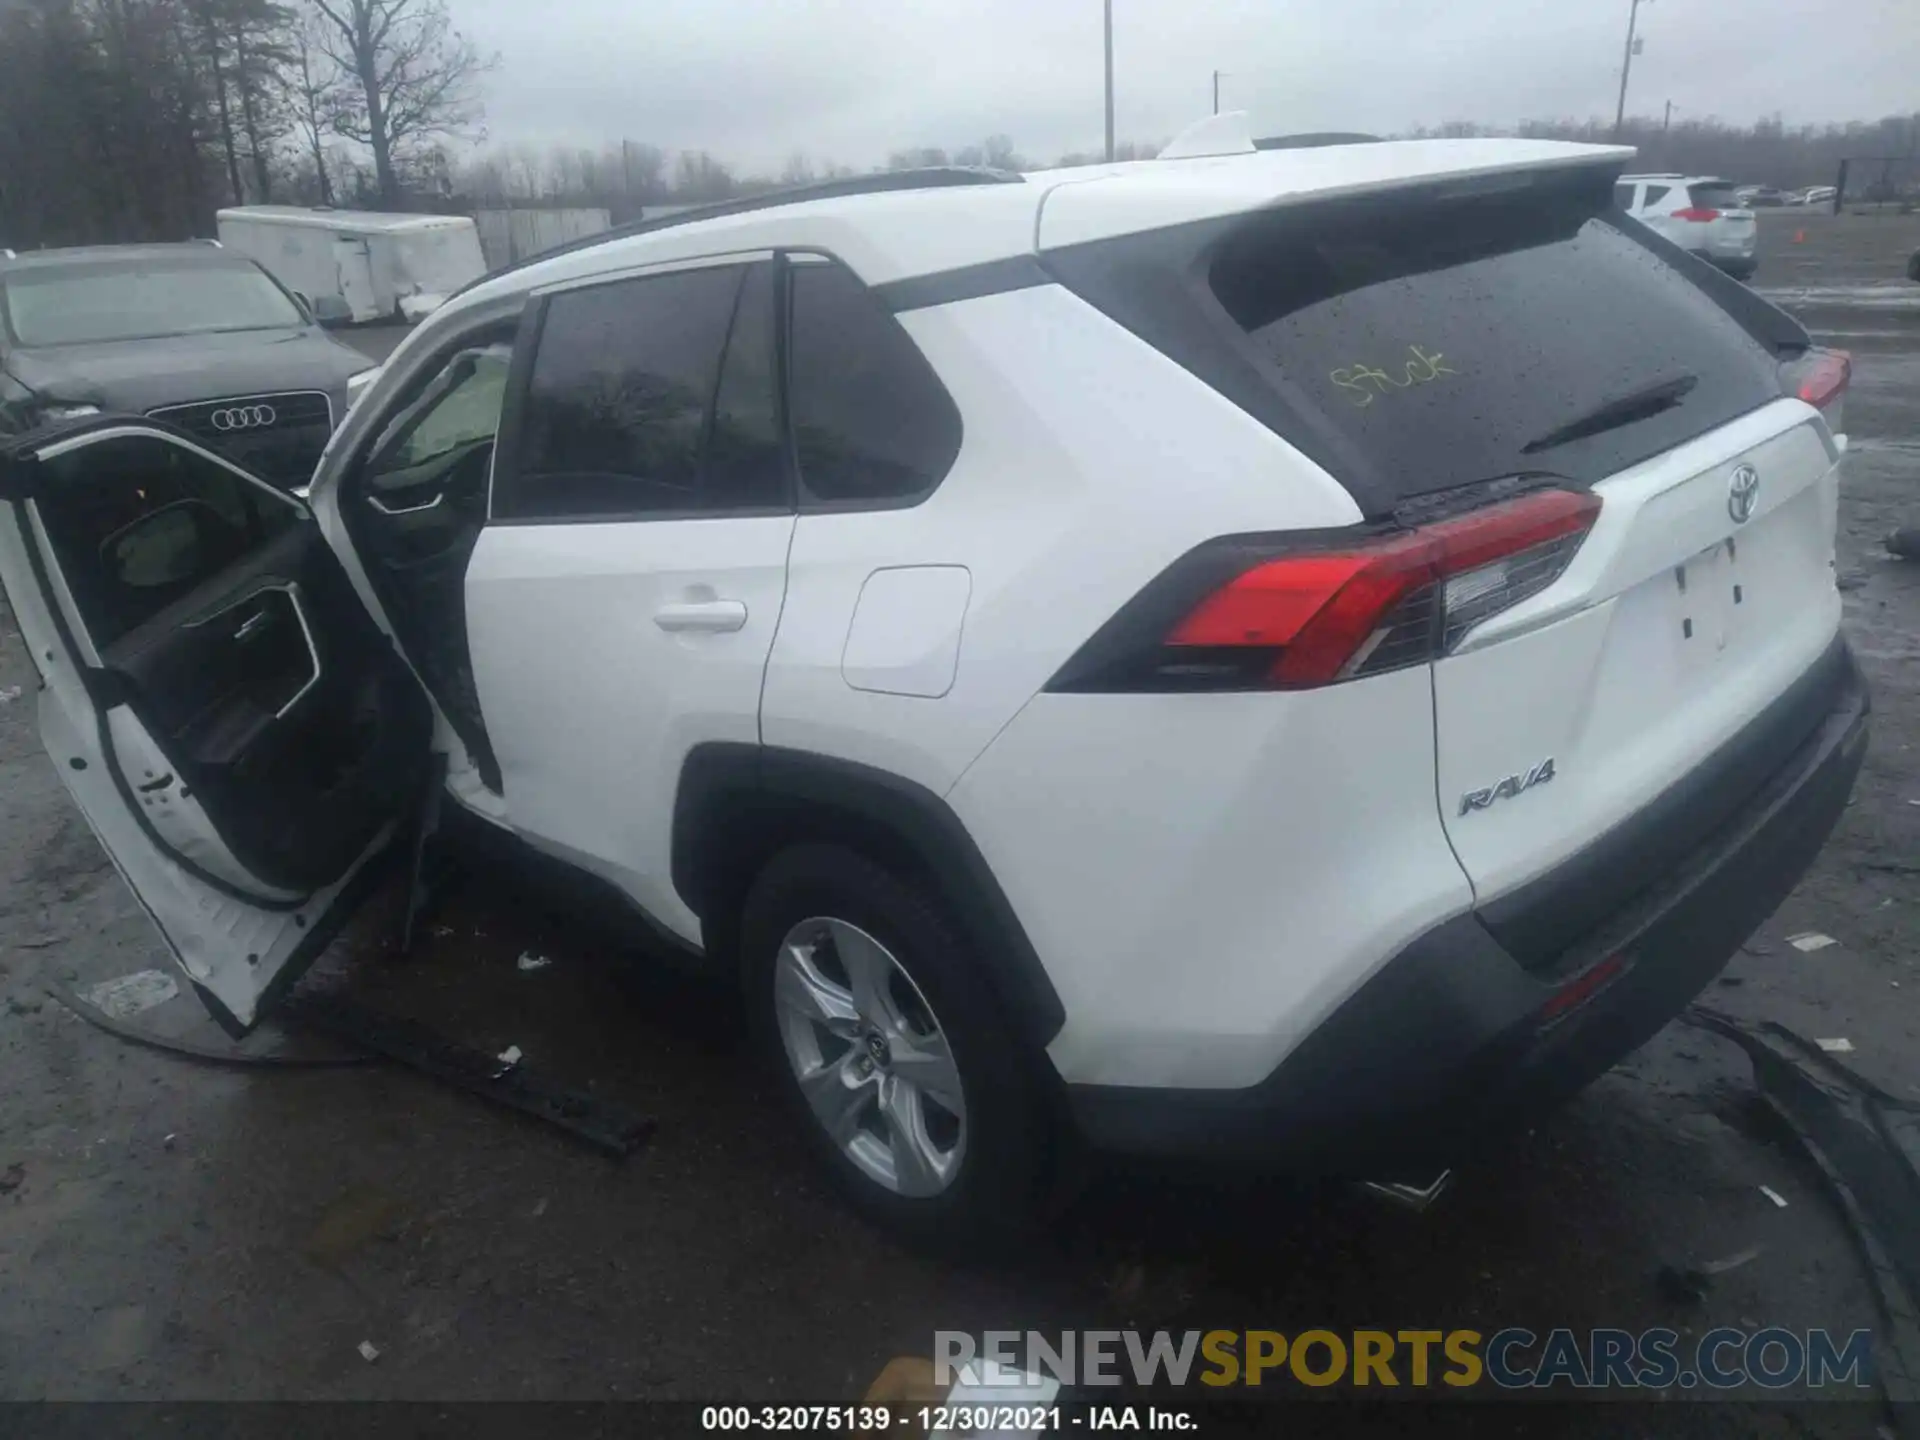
232,725
623,597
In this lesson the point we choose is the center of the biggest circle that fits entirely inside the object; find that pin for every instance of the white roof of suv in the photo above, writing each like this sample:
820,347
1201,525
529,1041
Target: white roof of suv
902,233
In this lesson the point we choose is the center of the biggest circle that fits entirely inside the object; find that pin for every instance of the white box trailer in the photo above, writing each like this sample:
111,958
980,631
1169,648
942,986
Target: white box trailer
384,266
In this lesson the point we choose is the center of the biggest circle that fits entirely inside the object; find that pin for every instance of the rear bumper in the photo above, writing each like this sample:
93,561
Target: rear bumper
1731,258
1453,1043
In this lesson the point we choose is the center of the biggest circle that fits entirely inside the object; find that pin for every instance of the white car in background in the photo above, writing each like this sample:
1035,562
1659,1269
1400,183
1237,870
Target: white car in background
1698,213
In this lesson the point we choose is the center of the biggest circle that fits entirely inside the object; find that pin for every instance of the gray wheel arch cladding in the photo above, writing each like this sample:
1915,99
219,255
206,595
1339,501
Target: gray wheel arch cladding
738,805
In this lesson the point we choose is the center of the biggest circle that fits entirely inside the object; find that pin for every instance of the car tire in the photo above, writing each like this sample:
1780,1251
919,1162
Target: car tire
817,917
1743,270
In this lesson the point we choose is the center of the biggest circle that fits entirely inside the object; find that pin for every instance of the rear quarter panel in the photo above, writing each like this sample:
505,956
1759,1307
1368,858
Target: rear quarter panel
1089,463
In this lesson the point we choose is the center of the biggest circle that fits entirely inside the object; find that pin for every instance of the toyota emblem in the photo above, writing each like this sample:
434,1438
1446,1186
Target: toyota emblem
243,417
1743,493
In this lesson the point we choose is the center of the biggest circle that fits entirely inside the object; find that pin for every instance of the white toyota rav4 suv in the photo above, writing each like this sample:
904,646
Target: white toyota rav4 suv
1302,656
1698,213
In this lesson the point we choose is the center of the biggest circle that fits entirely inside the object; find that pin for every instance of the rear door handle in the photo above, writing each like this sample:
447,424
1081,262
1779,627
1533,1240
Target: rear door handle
714,617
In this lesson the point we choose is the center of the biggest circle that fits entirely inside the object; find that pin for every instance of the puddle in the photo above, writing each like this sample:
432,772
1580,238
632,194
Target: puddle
1868,445
1896,295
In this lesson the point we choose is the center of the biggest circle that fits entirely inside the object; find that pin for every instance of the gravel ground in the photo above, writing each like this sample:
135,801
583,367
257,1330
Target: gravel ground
179,1232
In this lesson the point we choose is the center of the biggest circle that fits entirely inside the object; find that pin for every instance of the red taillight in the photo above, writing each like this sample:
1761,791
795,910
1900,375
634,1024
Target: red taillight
1330,615
1272,603
1696,213
1821,377
1582,988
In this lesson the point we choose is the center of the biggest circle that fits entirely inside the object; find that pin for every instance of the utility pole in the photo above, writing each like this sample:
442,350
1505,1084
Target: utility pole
1666,121
1626,68
1216,92
1109,38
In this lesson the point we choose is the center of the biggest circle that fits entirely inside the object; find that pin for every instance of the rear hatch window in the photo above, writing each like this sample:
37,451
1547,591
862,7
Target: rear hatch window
1715,196
1432,342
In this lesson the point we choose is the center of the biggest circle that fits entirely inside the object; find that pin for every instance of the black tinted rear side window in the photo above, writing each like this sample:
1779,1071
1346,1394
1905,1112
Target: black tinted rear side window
1437,344
871,421
746,451
616,408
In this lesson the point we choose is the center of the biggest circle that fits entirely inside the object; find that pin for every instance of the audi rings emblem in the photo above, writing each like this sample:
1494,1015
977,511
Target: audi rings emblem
243,417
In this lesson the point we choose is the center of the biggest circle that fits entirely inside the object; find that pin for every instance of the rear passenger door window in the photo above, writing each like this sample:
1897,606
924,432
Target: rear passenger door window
872,424
648,398
746,451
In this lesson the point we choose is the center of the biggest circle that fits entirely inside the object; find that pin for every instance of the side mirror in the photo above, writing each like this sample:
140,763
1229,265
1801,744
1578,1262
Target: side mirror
164,547
332,311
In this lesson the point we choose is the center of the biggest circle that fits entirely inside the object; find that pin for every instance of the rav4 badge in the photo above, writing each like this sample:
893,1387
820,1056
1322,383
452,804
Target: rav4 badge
1512,785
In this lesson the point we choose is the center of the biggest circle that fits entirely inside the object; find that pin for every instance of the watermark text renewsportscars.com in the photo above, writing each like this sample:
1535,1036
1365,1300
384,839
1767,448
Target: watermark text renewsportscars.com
1513,1358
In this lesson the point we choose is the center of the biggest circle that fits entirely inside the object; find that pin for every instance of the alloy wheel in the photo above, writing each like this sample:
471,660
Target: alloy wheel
870,1057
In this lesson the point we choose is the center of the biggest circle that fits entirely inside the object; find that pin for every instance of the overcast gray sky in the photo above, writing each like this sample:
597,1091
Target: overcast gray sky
849,80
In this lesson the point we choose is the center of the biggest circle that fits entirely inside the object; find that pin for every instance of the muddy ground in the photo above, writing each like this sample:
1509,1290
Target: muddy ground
173,1231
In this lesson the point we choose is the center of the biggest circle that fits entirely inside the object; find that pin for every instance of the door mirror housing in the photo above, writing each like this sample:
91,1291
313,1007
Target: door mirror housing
332,311
164,547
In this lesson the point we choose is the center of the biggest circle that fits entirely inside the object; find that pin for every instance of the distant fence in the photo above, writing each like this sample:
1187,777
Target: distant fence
1878,182
507,236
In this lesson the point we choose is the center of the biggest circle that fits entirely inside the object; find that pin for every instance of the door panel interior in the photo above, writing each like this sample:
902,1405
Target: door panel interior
415,509
220,615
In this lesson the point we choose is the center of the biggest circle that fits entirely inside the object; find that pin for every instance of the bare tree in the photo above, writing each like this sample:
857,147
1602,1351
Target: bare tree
698,176
315,96
209,23
920,157
259,31
641,168
417,77
1000,154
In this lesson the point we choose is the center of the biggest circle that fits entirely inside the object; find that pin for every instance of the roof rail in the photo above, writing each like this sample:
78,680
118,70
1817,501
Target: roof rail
936,177
1314,140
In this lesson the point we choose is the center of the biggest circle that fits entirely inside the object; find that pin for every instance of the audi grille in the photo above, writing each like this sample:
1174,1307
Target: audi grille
278,437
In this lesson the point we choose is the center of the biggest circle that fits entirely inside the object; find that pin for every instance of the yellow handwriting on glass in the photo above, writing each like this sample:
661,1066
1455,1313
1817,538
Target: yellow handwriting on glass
1364,382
